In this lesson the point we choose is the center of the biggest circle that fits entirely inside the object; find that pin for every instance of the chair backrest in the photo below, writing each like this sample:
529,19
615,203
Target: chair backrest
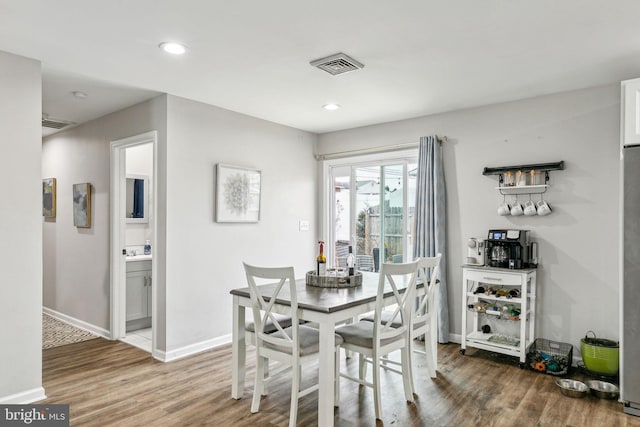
342,251
364,262
428,273
398,277
376,259
263,299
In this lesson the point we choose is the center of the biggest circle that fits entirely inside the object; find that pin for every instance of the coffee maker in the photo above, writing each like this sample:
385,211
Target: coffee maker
508,249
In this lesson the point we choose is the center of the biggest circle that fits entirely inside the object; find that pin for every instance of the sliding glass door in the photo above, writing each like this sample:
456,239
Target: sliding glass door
372,210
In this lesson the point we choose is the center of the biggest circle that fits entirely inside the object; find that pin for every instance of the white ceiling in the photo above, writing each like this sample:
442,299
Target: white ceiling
59,103
421,56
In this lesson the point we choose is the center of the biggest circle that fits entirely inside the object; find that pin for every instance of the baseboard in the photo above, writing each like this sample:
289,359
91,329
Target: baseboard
25,397
455,338
191,349
96,330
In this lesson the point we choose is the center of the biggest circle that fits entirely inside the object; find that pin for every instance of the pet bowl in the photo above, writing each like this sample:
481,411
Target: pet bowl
572,388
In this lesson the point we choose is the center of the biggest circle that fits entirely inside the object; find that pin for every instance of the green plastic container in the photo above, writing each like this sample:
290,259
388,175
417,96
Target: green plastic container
600,356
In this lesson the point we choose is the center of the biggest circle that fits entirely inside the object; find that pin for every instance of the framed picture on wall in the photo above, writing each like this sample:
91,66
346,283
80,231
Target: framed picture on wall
237,194
82,205
49,197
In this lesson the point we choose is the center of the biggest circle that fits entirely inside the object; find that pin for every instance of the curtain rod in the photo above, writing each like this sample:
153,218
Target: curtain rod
373,150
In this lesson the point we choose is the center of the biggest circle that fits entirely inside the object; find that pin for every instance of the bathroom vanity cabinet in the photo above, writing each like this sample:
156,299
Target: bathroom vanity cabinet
138,294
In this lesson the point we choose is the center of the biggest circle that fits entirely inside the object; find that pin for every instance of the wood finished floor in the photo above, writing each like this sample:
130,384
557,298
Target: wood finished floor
110,383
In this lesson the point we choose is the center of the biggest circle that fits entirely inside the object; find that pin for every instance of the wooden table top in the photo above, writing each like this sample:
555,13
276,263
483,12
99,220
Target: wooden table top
326,300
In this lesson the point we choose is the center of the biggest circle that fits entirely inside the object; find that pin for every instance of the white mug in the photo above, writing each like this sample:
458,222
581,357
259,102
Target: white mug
504,209
530,208
543,208
517,209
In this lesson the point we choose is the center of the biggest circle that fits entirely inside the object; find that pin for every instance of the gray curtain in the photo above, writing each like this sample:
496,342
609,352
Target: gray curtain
430,220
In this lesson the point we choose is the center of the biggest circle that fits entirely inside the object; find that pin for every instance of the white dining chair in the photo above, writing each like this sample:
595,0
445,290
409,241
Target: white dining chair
375,339
424,320
425,317
269,328
292,346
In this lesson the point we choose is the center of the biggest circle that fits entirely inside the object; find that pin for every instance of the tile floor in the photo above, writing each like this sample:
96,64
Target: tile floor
140,338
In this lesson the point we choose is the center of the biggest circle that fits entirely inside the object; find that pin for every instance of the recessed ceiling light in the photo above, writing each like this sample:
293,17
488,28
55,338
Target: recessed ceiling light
331,107
79,94
173,48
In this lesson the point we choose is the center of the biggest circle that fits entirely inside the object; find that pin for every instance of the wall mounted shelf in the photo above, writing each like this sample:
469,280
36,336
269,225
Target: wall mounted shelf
545,167
521,172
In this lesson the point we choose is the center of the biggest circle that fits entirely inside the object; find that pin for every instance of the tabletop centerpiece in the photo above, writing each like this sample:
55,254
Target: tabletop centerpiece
333,277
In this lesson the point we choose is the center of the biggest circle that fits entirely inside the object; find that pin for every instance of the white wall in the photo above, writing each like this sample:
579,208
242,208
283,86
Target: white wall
76,260
140,162
21,230
204,258
202,261
578,242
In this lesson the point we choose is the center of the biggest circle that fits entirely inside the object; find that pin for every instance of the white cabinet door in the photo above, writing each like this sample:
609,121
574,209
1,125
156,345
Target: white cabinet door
137,295
631,112
149,290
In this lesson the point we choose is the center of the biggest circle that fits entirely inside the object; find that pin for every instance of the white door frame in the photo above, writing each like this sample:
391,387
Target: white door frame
118,227
327,201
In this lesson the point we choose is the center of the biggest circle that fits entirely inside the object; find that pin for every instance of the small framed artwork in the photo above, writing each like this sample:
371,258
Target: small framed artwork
49,197
82,205
237,194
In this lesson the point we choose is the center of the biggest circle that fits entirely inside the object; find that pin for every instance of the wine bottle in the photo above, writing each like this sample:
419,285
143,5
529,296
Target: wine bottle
350,261
321,261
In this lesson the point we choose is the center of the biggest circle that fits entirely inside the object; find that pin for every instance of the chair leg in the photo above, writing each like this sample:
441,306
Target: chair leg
336,380
433,336
295,389
347,353
434,350
431,363
259,384
362,366
376,386
384,359
265,384
407,373
410,368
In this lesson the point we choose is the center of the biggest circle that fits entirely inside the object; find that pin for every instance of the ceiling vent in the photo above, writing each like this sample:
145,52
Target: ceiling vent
51,123
337,64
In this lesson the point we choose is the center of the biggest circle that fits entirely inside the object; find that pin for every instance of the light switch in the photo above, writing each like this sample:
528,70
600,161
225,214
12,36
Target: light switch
303,225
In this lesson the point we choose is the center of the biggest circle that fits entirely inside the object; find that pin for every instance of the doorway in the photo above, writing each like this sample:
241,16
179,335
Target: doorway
133,206
371,208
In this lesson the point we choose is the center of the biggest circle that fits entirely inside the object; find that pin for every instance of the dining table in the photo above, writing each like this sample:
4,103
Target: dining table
323,305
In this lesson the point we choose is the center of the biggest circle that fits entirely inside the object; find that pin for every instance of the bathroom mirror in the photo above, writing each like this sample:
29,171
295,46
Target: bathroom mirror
137,203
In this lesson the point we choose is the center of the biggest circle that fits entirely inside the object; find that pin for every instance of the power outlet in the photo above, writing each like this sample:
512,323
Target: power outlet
303,225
